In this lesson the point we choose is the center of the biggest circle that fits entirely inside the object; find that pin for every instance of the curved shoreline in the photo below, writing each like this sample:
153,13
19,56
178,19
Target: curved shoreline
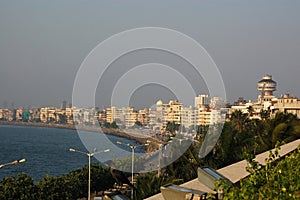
154,145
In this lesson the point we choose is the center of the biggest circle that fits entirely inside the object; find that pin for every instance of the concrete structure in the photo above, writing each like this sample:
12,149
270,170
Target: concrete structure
286,104
51,114
234,172
130,116
64,105
189,117
157,116
35,114
101,115
143,117
203,117
8,114
110,114
124,117
217,103
202,100
19,114
69,115
160,115
173,111
267,101
266,86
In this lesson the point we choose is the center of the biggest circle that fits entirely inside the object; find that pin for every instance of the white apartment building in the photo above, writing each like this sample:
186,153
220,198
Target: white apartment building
125,116
189,117
173,111
157,116
19,114
202,100
286,104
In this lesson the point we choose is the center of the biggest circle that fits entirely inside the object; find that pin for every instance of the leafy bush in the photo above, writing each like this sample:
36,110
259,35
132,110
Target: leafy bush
275,180
71,186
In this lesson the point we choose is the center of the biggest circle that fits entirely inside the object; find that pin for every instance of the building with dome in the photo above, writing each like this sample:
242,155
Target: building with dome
159,103
268,101
266,86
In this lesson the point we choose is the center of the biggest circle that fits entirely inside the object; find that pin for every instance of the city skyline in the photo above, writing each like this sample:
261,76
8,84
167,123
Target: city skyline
260,88
44,43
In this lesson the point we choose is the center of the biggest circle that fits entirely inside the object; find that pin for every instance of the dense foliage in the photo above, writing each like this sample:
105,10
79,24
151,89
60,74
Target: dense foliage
240,137
71,186
275,180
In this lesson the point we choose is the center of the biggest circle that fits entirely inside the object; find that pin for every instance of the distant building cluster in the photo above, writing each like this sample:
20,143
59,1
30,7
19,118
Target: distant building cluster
206,111
267,102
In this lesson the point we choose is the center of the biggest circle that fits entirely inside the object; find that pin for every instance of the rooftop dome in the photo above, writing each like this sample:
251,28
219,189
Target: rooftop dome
159,103
267,86
267,79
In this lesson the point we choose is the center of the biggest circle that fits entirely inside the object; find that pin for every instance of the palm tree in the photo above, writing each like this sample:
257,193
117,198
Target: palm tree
250,111
149,184
264,114
239,121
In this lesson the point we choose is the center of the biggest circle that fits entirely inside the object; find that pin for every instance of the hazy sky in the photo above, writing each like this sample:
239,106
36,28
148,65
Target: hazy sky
43,43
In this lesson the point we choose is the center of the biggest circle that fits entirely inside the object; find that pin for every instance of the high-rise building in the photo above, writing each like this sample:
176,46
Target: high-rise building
64,105
189,117
202,100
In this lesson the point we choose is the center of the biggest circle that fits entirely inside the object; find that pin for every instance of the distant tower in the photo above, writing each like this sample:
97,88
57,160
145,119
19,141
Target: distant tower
202,100
266,86
64,105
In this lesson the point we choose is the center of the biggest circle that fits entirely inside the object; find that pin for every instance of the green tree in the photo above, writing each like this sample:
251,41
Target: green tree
57,187
149,184
239,121
114,125
74,185
250,110
275,180
264,114
172,127
138,123
22,188
62,119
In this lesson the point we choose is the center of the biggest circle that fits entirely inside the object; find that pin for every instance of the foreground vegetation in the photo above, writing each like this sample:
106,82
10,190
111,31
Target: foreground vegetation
275,180
71,186
240,136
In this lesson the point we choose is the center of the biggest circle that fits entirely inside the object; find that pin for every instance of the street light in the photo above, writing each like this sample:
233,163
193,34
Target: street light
159,157
13,162
132,147
89,156
182,139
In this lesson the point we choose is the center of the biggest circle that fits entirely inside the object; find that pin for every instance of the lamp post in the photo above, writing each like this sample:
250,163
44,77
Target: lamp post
159,157
13,162
182,139
132,147
179,139
89,166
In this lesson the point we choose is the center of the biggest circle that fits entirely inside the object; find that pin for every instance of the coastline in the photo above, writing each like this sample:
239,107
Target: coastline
154,143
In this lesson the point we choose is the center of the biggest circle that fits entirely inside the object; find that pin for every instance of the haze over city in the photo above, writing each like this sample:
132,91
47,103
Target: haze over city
43,43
